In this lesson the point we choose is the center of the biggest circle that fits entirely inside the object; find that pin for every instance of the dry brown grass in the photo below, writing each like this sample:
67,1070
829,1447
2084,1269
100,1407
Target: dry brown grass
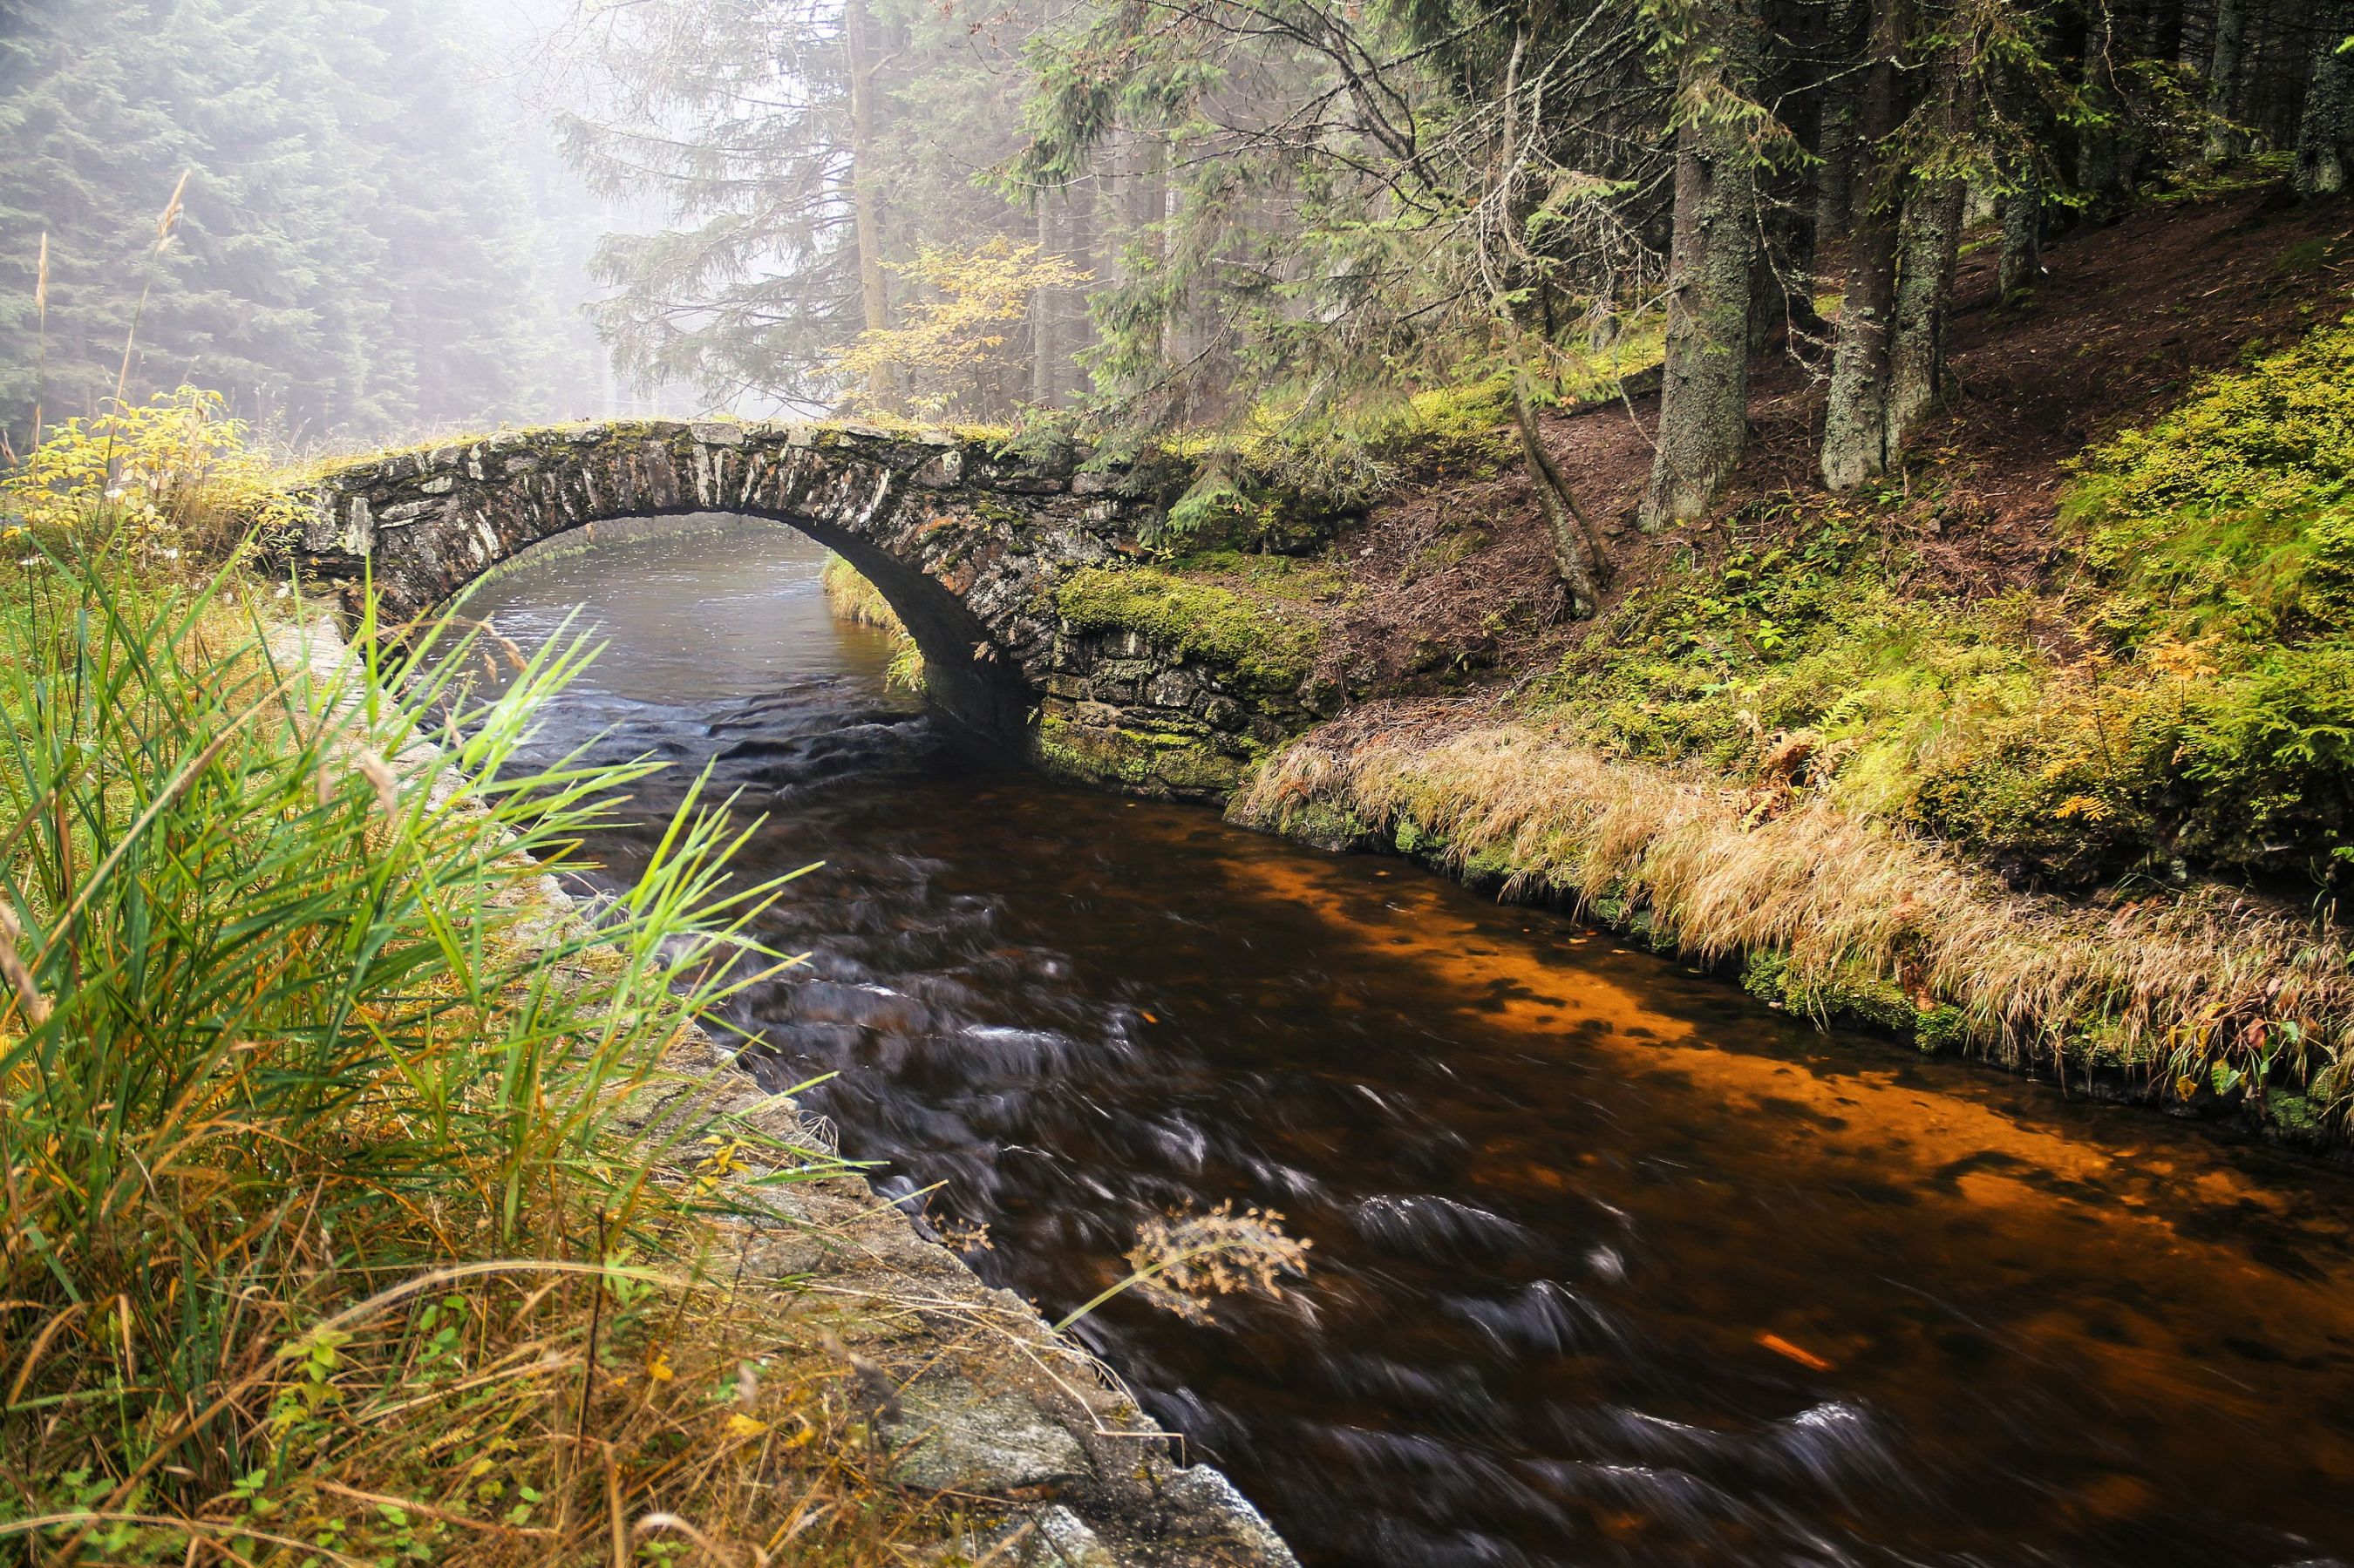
2170,985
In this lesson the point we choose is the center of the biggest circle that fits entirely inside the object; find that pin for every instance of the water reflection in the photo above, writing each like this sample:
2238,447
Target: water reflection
1611,1265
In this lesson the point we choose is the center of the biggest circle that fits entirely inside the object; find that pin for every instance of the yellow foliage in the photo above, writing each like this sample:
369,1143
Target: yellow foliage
171,473
2177,660
950,354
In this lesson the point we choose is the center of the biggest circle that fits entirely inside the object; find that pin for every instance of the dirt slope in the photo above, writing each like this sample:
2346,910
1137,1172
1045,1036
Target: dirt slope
1452,582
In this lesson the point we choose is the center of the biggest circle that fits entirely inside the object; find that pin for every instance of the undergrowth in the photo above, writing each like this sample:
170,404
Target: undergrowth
324,1240
2182,698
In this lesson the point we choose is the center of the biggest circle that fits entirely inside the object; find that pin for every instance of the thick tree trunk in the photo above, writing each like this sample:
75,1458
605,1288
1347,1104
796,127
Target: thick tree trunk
1572,531
2324,133
2100,152
1835,144
1928,241
1855,419
867,200
2224,68
1711,268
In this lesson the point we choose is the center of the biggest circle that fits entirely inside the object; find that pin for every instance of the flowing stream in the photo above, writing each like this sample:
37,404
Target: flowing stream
1611,1265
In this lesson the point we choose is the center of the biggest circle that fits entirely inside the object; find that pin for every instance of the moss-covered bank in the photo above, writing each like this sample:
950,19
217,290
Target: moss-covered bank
2092,820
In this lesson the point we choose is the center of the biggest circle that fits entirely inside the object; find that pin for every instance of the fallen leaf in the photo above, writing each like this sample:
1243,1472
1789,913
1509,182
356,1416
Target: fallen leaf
1782,1346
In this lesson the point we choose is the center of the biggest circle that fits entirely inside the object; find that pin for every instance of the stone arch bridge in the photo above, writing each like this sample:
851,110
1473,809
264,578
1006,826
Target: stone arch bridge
967,542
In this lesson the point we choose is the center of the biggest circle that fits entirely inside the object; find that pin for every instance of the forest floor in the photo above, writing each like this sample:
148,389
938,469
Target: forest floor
2033,748
1456,573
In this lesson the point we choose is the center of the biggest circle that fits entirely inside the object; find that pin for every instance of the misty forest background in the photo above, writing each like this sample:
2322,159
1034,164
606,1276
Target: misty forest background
407,216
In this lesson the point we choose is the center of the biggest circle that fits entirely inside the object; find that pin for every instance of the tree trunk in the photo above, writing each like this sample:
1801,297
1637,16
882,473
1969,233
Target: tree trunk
1855,420
1079,244
1835,144
1045,318
1572,530
2223,72
1782,294
1712,264
1928,242
2099,144
866,202
2324,133
2021,261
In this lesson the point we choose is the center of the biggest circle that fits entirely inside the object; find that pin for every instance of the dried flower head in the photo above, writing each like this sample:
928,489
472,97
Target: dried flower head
29,999
379,773
1185,1259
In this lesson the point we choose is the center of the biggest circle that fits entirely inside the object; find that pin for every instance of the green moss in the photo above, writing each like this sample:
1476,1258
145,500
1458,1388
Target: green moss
1319,822
1157,762
1488,865
2187,693
1847,994
1284,578
1942,1031
2295,1115
1262,646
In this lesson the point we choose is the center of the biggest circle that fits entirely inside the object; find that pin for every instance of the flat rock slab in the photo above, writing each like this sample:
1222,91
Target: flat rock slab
951,1436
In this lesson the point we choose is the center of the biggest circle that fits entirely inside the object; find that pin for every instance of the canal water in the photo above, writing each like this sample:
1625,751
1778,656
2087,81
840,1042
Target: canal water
1610,1263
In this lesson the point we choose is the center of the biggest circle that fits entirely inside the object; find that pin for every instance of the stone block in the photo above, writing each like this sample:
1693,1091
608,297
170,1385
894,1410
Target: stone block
1064,1540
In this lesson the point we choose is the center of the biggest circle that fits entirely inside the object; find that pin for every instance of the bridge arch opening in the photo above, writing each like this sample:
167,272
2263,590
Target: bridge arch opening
964,677
949,537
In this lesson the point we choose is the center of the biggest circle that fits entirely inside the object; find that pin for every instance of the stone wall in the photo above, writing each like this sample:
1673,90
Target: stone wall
969,540
1123,710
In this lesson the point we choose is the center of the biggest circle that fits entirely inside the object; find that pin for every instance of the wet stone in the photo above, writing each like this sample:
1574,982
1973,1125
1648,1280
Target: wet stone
1062,1538
1207,1495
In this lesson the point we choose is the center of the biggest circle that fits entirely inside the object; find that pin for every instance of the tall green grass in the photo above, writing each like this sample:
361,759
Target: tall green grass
310,1094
